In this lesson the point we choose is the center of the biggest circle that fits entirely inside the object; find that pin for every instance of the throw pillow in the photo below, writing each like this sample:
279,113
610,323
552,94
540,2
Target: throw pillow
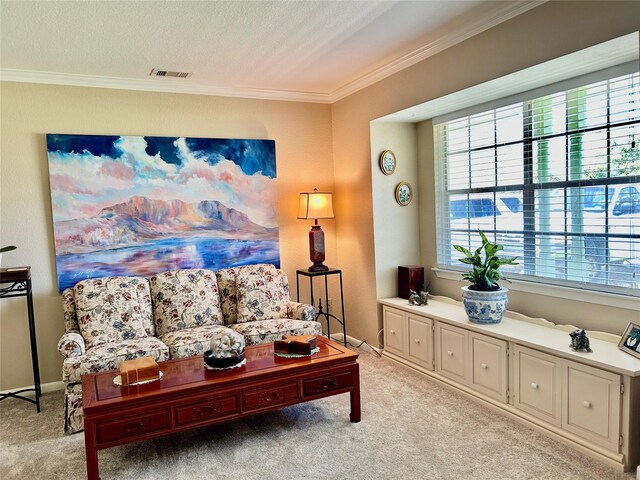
260,296
112,309
185,299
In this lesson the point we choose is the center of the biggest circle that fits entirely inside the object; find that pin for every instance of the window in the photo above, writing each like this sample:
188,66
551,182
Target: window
554,179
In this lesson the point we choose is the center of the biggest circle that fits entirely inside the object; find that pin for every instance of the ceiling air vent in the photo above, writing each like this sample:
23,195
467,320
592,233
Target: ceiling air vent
166,73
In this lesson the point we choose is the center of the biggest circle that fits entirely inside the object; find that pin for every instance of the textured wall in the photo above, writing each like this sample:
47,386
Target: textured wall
302,133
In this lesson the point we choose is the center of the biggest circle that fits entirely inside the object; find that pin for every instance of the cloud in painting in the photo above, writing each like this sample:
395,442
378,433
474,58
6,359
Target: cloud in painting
85,181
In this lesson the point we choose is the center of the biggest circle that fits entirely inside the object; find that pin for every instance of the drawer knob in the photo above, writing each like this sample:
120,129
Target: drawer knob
450,353
534,385
268,397
586,404
393,332
484,365
417,340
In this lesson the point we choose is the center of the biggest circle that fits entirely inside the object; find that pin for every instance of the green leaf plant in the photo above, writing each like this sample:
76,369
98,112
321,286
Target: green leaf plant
8,248
485,273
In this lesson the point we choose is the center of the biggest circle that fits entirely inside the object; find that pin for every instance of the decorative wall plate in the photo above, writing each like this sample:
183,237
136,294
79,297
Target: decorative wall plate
404,193
387,162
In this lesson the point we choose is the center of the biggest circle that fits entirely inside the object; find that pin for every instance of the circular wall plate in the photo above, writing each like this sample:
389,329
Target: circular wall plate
404,193
387,162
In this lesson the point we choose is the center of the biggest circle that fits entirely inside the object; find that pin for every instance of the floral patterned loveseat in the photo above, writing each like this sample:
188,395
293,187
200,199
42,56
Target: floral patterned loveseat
173,314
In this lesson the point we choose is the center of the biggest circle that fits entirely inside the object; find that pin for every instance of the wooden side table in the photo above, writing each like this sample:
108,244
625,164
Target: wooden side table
16,282
327,314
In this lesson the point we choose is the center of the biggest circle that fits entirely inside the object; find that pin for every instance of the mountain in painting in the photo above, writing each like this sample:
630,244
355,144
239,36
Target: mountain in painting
141,219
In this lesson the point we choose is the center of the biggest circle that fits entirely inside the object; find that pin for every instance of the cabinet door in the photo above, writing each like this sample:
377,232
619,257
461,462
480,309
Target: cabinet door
451,352
420,341
591,404
537,381
394,330
488,372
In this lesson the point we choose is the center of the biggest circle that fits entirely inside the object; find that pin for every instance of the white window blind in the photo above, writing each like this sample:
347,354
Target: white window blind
554,179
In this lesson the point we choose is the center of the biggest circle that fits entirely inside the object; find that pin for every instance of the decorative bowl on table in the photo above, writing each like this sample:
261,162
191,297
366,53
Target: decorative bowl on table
226,349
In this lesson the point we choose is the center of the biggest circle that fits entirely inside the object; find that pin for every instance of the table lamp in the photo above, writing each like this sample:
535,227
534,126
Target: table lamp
315,205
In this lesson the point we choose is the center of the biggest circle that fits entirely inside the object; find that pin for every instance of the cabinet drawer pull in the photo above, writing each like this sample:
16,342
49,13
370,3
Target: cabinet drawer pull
586,404
207,410
450,353
329,384
136,426
268,397
534,385
417,340
484,365
393,332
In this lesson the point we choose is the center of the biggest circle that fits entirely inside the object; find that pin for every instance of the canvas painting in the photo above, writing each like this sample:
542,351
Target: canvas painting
134,205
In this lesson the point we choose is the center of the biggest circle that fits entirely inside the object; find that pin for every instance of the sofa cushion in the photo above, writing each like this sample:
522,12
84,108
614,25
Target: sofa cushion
69,311
229,292
266,331
108,356
192,341
112,309
260,296
185,299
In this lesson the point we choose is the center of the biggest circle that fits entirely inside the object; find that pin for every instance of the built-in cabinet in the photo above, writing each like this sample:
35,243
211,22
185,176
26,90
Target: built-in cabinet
526,368
451,352
537,382
591,403
488,366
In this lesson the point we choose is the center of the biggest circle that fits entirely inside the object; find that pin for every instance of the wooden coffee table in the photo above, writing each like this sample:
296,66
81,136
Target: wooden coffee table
189,396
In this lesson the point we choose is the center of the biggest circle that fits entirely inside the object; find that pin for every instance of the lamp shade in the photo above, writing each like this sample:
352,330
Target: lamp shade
315,205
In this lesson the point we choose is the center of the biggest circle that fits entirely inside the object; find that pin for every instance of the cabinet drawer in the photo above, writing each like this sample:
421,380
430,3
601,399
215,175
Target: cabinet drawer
394,330
316,386
114,430
205,410
451,352
488,373
591,404
420,341
537,381
269,396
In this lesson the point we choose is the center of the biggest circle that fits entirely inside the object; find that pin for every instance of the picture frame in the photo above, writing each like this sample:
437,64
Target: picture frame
630,340
388,162
404,194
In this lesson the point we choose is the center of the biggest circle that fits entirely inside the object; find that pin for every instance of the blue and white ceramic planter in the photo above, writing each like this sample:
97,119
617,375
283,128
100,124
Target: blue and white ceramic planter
485,307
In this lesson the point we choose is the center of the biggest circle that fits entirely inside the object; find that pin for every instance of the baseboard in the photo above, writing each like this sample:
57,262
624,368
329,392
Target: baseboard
46,388
339,337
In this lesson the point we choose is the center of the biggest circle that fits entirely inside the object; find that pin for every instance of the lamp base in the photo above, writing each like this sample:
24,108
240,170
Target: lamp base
316,249
318,268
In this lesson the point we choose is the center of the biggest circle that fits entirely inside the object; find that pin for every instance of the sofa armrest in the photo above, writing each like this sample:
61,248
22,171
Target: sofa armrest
71,345
300,311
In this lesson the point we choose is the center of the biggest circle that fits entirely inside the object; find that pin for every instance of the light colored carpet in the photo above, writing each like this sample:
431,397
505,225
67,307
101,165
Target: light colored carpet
412,428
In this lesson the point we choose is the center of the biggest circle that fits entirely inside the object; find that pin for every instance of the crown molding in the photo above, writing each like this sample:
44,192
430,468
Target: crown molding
470,29
164,85
170,85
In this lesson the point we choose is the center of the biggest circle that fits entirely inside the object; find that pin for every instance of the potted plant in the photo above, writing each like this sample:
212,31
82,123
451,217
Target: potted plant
8,248
485,301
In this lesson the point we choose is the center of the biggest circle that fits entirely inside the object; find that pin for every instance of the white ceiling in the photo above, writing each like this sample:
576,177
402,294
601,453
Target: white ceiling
313,50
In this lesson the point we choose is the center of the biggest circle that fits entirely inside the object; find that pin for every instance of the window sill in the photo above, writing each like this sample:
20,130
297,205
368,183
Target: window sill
589,296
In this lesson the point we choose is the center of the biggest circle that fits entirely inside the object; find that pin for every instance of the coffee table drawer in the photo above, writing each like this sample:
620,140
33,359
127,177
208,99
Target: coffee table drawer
205,410
270,396
114,430
328,383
